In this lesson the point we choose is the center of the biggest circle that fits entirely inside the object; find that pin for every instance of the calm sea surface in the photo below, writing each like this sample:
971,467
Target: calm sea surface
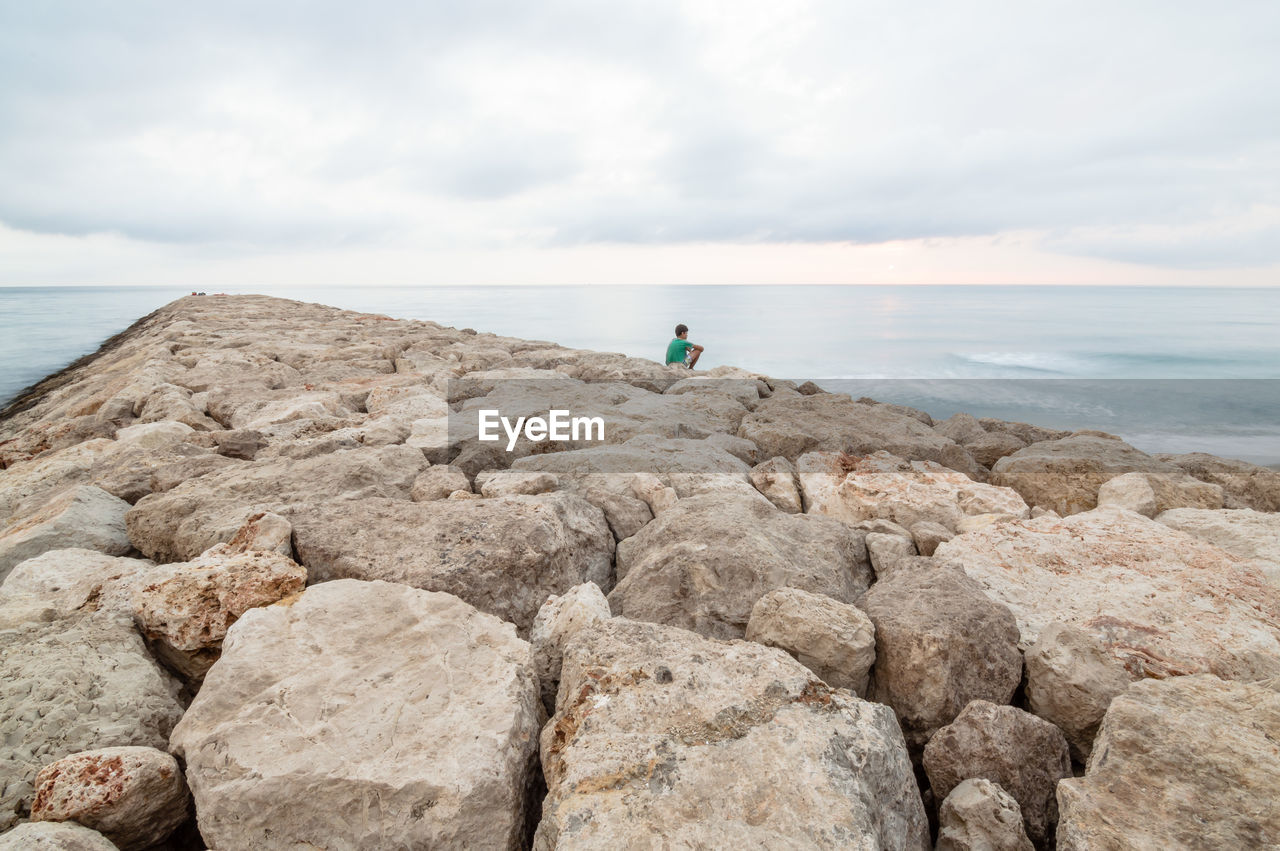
1170,369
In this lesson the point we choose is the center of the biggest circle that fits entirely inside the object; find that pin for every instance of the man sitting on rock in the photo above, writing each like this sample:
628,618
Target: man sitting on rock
681,351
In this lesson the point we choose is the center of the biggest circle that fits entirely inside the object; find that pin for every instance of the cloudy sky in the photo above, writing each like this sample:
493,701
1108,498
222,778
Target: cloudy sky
667,141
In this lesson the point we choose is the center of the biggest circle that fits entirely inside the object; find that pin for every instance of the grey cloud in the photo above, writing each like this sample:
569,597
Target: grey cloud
950,121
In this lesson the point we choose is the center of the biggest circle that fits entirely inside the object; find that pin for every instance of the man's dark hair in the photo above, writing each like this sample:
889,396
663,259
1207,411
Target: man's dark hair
682,329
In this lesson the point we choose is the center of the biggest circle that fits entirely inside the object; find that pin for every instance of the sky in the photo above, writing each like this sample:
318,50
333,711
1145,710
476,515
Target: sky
655,141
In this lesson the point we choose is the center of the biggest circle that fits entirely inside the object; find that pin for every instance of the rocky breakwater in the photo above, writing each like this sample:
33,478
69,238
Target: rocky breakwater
264,586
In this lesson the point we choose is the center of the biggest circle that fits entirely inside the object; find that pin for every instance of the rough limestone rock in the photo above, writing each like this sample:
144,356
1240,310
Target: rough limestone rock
261,532
904,410
650,489
662,736
1187,762
1244,485
1024,431
1243,532
504,556
689,466
177,469
980,816
437,482
625,512
745,390
1026,755
927,535
559,619
1071,680
27,485
739,447
71,686
1131,583
833,422
834,640
301,735
704,562
940,643
54,836
72,580
244,444
134,796
887,551
132,471
887,487
1131,491
182,523
961,428
85,517
185,609
776,479
515,482
1150,493
991,447
155,435
1065,474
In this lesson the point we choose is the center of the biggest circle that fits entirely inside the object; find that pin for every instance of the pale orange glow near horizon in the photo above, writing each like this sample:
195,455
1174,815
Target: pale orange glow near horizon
1009,259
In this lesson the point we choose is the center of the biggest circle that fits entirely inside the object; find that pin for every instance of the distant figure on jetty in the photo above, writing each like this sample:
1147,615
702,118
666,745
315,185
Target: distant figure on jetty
681,351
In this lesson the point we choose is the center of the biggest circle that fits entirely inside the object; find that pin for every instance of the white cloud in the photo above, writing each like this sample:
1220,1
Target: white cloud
1145,133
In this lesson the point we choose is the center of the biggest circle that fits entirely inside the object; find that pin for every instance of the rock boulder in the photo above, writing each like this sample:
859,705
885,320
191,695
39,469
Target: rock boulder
883,486
940,643
725,744
134,796
504,556
85,517
1131,583
70,686
1244,485
1185,762
301,735
703,563
185,609
832,422
980,816
1026,755
834,640
182,523
1065,474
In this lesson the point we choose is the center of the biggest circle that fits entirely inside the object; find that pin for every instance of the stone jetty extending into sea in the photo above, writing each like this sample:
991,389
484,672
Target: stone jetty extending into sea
267,586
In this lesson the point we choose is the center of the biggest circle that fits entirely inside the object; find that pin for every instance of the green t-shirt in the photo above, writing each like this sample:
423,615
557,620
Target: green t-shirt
677,349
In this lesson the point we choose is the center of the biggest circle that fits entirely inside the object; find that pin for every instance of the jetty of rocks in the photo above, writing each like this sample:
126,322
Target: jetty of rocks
266,587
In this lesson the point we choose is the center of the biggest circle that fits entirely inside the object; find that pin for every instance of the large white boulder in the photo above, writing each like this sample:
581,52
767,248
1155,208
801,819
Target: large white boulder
1186,762
1160,601
364,715
835,640
1243,532
85,517
62,582
663,736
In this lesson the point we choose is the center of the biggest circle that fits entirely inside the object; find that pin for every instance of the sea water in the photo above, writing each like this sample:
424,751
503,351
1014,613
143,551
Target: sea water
1169,369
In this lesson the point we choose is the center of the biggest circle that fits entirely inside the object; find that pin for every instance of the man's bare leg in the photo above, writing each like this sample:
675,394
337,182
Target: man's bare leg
694,360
